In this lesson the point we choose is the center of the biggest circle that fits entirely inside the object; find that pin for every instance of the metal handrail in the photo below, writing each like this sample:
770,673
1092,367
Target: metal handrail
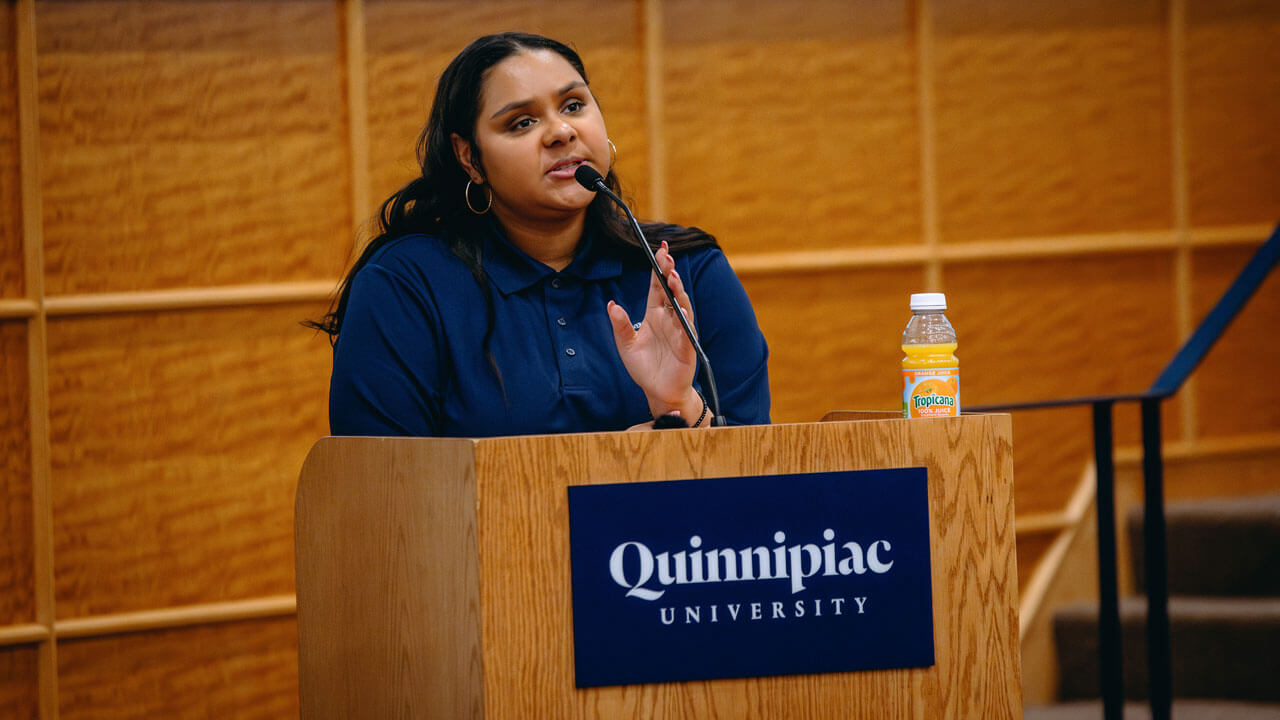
1155,562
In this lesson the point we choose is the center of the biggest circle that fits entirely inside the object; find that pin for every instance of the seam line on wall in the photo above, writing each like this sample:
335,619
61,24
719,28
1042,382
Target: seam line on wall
37,353
1183,262
746,264
654,90
357,90
929,222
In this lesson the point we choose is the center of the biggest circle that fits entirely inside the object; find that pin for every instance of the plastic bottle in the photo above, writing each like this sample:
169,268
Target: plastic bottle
930,368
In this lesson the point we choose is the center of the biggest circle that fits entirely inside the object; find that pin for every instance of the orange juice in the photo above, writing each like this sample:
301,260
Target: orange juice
930,368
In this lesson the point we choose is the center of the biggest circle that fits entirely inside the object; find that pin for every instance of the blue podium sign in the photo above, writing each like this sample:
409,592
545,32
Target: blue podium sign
750,576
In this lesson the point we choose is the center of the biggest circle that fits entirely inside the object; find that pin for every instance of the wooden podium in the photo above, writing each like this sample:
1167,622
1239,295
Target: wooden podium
433,573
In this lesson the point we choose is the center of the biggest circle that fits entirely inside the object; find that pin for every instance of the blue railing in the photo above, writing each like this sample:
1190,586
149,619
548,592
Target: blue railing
1155,565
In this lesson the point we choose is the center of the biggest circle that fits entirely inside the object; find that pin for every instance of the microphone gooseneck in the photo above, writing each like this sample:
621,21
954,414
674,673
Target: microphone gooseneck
589,178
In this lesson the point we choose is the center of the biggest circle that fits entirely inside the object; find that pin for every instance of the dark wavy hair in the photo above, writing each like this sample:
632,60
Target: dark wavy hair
433,203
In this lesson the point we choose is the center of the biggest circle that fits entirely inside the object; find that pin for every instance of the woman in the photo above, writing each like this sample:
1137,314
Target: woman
499,297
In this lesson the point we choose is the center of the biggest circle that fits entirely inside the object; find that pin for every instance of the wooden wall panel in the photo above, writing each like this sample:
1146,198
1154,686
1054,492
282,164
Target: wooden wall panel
17,582
834,339
1031,548
1053,118
1233,110
792,125
206,142
18,684
176,443
1050,450
410,43
11,284
191,143
1041,329
235,670
1236,385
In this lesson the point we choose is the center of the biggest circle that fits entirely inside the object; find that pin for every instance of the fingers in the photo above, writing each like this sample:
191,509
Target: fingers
657,296
622,331
665,261
677,290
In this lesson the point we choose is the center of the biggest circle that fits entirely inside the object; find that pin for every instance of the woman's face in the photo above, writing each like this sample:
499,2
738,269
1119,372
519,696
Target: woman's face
537,123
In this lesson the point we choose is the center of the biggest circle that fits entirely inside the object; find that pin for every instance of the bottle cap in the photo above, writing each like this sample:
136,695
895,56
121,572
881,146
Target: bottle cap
928,301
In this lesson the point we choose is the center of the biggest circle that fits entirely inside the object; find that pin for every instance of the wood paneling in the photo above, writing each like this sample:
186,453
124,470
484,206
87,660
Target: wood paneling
1233,110
195,144
1052,447
1053,118
1236,385
410,43
1041,329
191,143
233,670
10,180
834,339
176,442
17,583
1031,548
792,125
1064,326
18,693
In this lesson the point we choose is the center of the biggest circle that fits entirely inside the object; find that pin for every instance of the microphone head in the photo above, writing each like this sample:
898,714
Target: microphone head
669,422
587,177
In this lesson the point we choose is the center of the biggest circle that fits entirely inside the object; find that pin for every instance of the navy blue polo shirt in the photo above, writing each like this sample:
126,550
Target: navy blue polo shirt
410,357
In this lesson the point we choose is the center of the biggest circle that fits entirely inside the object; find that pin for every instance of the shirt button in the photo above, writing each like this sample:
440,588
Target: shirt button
555,283
561,322
570,352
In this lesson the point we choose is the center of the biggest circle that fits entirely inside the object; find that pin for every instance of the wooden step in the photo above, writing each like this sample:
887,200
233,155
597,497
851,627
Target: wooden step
1227,546
1182,710
1222,648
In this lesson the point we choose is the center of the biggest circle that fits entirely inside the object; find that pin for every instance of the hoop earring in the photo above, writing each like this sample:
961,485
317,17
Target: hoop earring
466,195
613,159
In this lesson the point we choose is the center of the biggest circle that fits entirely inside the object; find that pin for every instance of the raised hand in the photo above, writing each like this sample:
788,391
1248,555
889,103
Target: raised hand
658,356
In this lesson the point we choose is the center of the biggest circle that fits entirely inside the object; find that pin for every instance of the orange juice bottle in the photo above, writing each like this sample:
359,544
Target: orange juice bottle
930,368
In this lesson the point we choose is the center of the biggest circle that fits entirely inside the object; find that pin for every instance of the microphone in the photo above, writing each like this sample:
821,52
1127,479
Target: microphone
589,178
667,422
